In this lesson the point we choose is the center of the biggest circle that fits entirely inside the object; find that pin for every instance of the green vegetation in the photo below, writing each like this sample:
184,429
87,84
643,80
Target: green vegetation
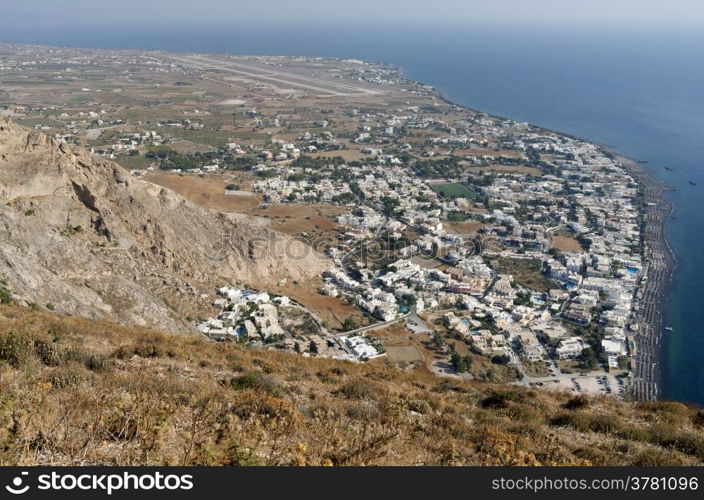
457,216
133,162
461,364
444,168
172,160
5,295
526,272
522,299
453,190
317,162
70,230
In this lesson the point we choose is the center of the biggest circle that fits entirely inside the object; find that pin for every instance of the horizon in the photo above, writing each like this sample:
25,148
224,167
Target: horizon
647,14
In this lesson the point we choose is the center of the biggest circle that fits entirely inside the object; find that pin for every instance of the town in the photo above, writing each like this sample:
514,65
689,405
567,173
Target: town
496,248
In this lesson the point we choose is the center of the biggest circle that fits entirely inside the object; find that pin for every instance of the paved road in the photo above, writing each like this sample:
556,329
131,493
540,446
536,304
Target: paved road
281,77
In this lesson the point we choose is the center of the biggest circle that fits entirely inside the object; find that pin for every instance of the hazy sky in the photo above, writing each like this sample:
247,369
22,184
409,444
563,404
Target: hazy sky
545,12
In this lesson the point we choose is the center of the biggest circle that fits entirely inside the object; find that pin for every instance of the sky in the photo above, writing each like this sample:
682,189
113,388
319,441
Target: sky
627,13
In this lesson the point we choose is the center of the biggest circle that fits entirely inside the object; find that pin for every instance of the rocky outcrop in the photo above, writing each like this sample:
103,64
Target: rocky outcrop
82,234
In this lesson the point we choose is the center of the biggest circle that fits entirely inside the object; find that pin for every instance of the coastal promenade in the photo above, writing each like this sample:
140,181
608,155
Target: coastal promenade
654,284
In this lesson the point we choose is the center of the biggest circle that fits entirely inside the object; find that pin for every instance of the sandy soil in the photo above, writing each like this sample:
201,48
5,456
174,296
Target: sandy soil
519,169
205,191
294,218
566,244
332,310
466,227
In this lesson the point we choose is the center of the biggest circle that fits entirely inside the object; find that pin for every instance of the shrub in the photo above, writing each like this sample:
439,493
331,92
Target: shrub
698,418
364,412
500,399
98,363
5,296
15,348
66,377
257,381
419,405
652,458
50,353
603,424
143,349
359,389
577,402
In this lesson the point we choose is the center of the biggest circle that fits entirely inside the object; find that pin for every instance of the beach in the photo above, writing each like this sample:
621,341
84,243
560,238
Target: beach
654,284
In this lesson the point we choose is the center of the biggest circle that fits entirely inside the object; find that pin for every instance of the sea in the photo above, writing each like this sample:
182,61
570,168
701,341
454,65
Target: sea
638,90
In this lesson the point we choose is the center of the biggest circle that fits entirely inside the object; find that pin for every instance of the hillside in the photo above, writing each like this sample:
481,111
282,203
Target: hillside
77,391
80,235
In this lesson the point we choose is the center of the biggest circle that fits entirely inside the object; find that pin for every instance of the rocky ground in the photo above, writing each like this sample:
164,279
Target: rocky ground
80,235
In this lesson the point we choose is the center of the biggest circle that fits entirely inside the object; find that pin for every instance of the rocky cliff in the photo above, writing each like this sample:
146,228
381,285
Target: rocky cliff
82,235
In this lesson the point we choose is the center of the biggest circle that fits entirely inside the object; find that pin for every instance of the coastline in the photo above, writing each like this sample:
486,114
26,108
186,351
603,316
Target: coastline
654,285
653,288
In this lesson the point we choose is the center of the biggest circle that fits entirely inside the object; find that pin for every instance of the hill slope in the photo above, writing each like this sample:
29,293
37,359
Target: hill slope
81,234
75,392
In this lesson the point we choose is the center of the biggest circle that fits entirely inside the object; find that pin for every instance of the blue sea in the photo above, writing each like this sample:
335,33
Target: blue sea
640,91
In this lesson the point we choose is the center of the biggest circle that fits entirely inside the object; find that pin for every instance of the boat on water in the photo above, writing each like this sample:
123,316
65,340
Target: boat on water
669,169
692,183
668,329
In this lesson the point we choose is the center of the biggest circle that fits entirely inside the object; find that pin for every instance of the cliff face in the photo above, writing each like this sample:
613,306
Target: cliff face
81,234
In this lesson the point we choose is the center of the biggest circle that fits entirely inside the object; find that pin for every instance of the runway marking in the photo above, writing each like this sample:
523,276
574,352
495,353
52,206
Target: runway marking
290,79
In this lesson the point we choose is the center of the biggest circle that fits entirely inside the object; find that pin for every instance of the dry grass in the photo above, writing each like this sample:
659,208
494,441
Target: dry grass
490,152
206,191
566,244
297,218
332,310
466,227
517,169
89,392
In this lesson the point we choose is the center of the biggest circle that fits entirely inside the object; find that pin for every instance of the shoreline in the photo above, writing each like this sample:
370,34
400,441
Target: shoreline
653,291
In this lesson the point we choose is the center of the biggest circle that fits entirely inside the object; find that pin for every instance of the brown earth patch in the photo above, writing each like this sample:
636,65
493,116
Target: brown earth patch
566,244
206,191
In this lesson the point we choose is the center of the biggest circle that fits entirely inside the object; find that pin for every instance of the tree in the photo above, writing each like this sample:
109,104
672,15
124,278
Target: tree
438,340
349,324
501,359
313,347
589,360
460,363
